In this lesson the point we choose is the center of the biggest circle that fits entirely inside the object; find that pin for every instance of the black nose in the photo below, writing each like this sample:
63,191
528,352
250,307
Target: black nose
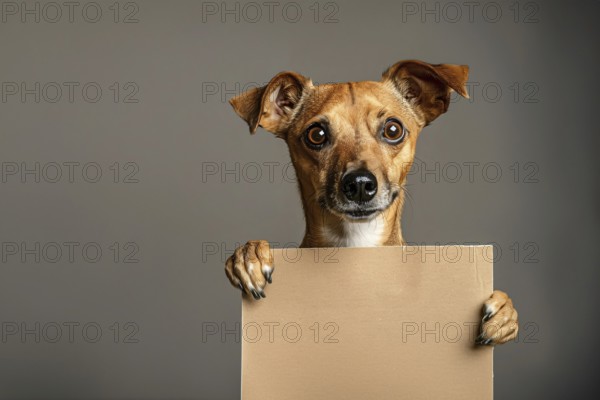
359,186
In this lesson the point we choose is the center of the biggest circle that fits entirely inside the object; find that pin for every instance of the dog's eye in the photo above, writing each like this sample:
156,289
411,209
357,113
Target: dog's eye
316,136
393,131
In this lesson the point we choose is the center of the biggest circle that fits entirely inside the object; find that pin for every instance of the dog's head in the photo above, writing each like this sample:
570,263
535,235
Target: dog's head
353,144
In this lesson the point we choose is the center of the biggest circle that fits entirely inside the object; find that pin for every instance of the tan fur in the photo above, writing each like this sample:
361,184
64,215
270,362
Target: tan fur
412,92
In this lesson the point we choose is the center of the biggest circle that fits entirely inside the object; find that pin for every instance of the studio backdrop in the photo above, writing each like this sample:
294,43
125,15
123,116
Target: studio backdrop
127,179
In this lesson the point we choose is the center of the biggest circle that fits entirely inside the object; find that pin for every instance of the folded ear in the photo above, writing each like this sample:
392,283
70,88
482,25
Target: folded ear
272,106
427,87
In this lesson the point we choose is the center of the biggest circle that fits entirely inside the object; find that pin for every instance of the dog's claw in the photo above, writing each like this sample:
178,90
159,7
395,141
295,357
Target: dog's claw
479,339
255,294
262,294
269,276
241,287
487,316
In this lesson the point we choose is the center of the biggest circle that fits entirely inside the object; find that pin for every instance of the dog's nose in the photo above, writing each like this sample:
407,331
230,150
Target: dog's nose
359,186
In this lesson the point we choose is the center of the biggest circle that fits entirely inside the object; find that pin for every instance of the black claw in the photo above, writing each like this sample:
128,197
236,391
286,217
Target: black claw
241,286
487,316
255,294
482,341
269,277
263,295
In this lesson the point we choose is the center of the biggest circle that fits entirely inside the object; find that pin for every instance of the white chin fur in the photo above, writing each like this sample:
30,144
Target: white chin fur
358,233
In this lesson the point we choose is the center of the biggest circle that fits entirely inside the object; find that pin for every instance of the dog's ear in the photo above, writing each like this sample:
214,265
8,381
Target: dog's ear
272,106
427,87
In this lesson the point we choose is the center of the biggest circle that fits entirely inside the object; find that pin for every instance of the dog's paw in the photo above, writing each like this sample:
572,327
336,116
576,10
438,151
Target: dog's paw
500,322
250,267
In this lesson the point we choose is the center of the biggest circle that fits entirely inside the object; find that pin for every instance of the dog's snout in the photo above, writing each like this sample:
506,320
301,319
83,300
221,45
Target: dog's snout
359,186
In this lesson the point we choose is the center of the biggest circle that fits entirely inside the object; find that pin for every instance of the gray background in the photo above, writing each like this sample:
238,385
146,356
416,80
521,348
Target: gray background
183,225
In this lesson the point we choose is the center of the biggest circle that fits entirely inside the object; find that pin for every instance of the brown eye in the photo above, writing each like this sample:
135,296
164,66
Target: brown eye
316,136
393,131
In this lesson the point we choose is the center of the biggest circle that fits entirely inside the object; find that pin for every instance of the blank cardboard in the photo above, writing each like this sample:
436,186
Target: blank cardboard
370,323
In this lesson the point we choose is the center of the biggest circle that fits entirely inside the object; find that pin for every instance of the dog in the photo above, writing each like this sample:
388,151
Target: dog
352,146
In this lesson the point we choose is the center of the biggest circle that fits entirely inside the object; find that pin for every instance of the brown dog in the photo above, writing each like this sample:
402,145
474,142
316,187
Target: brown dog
352,146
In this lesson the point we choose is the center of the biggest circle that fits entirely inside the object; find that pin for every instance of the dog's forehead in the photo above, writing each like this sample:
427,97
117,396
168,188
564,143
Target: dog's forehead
349,99
349,93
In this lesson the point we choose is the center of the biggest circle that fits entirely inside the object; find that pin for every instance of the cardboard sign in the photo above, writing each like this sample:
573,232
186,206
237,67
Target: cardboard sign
370,323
